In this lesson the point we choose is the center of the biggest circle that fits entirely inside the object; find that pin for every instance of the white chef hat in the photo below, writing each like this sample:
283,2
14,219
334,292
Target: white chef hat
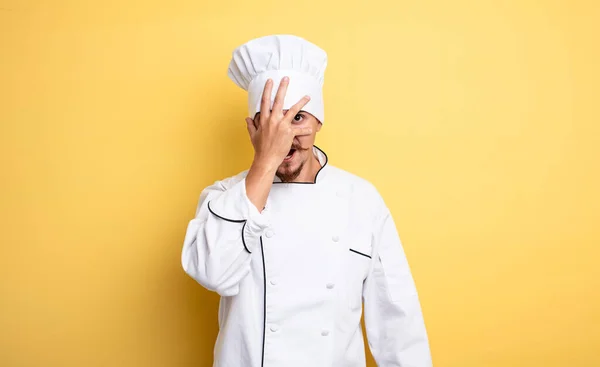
277,56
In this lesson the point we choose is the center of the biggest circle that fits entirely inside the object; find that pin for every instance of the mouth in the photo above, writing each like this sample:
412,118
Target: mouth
290,155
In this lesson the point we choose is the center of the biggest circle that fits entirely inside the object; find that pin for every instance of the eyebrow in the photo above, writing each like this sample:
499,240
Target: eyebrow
299,112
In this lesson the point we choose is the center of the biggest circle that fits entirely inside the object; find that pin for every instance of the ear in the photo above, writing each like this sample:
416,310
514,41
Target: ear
319,124
251,125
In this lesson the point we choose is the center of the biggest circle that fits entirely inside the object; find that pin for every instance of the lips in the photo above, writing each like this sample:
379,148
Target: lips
290,154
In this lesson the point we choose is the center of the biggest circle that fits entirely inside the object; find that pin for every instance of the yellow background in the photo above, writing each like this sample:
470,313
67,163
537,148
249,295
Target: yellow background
477,120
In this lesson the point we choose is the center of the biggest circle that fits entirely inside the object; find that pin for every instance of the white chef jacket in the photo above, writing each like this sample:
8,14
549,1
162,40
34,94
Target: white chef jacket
292,278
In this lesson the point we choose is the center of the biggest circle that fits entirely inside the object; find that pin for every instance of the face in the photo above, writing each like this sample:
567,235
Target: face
301,150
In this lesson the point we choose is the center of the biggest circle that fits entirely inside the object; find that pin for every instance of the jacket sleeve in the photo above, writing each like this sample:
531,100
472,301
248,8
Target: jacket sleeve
220,240
393,319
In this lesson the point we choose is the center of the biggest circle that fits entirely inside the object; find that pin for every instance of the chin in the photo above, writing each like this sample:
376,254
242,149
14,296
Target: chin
289,170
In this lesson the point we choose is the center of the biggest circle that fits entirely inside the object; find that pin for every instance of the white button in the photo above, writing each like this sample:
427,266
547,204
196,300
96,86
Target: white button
335,238
269,234
325,332
274,328
273,282
330,285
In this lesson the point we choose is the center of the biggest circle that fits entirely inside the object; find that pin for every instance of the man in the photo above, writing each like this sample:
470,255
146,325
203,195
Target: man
294,245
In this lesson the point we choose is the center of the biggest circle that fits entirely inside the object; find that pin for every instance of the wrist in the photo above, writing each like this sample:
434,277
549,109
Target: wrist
264,166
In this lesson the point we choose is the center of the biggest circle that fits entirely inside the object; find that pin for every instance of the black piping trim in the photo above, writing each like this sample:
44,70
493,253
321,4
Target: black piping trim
227,219
232,221
262,362
316,176
360,253
243,239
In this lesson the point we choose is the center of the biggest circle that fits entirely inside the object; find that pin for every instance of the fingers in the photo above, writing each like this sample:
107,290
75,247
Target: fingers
296,108
280,96
300,131
265,103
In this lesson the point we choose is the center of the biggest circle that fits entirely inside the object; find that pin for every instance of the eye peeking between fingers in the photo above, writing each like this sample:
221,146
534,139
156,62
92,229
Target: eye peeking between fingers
298,118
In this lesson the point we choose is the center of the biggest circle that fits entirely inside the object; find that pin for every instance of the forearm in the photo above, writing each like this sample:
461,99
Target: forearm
259,182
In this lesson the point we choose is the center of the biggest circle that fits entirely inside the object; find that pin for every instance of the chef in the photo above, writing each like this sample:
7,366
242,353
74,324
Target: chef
293,245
